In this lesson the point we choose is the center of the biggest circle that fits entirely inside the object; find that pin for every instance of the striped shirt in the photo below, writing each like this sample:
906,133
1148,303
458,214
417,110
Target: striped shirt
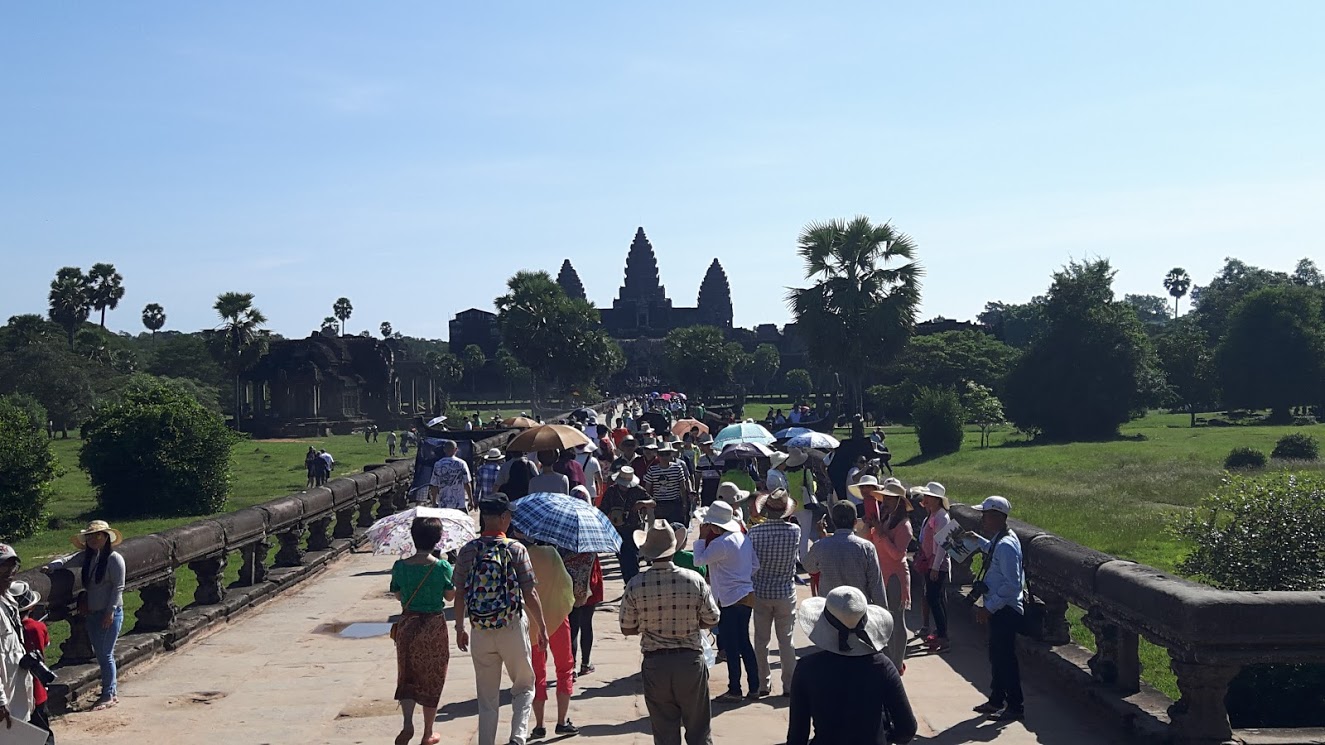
776,543
666,483
668,606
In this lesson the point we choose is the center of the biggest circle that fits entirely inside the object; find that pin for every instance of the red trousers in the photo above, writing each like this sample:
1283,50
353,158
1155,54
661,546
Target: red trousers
559,646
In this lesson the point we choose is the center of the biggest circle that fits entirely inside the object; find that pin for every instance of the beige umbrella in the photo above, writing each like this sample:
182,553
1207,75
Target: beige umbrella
548,437
519,422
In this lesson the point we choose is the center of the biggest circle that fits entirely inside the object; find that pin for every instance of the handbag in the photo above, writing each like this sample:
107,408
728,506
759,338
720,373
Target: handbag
415,594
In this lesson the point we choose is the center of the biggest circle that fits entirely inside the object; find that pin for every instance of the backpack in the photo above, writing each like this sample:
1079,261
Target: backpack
492,590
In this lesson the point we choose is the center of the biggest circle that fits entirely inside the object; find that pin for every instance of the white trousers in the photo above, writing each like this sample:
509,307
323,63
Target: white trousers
490,649
806,520
780,617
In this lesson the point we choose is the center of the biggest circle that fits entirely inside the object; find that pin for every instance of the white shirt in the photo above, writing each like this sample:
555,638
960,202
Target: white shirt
330,461
775,480
732,563
593,471
469,426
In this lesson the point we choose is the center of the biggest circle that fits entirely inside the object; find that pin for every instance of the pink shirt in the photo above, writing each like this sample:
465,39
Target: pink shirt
939,559
891,544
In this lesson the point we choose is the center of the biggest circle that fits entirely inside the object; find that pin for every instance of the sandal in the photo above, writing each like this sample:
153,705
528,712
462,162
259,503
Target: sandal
105,703
405,736
587,669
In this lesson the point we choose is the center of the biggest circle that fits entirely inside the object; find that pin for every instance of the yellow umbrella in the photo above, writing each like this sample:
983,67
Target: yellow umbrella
519,422
548,437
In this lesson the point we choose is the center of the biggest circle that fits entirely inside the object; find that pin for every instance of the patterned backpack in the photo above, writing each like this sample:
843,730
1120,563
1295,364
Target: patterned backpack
492,590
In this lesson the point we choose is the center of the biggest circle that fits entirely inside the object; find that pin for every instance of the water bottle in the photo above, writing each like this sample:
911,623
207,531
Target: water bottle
710,652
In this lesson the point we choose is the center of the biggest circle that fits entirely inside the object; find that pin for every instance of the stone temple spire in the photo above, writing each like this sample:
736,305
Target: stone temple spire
570,281
642,283
715,297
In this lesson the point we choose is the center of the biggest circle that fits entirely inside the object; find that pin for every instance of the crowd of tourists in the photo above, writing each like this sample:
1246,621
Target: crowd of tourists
765,522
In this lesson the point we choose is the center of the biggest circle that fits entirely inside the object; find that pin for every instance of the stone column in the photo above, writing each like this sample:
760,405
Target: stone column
1056,628
386,505
318,537
77,649
344,524
1199,715
254,569
158,611
210,573
1117,662
366,519
290,554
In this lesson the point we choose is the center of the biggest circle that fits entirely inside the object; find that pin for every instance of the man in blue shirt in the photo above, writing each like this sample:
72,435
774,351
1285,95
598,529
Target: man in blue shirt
1005,581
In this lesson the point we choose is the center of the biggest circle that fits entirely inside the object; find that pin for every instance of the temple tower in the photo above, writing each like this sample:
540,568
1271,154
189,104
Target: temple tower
569,280
642,285
715,297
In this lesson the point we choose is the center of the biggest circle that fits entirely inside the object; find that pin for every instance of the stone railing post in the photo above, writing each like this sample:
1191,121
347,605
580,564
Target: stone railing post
366,519
290,554
77,649
1199,715
1117,661
386,505
210,573
344,523
319,539
400,496
254,569
1057,630
158,611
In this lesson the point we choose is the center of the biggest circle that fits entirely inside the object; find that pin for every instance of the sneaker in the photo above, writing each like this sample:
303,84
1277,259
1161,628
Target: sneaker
752,695
728,698
988,707
567,728
923,633
538,733
1008,715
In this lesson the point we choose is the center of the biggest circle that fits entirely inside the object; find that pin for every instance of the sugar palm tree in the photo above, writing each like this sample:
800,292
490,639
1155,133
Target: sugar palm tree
69,299
1177,283
386,329
241,339
342,310
105,288
154,317
862,305
329,325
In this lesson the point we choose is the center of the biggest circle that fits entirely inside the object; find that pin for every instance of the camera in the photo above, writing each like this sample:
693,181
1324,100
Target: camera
34,663
978,590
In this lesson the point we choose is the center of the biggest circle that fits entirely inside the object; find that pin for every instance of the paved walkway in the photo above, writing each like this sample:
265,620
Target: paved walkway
285,675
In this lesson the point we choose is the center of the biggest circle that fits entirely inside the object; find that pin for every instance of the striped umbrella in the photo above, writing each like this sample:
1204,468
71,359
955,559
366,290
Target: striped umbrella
565,522
746,431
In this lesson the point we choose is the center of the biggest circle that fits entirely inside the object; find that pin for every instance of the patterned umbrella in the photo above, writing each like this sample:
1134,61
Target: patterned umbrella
565,522
790,432
683,426
814,441
746,431
390,535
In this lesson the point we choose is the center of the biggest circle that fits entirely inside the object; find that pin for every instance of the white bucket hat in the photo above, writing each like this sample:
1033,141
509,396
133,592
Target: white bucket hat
626,478
721,515
935,489
845,623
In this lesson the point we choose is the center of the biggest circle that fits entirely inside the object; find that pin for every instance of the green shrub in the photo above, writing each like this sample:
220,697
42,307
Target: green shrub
1241,458
158,452
938,419
1296,446
27,468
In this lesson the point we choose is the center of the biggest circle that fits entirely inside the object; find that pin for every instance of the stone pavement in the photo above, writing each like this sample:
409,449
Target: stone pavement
284,674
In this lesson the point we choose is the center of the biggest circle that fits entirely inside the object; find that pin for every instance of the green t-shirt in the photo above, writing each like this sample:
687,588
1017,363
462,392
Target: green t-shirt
740,478
686,560
431,597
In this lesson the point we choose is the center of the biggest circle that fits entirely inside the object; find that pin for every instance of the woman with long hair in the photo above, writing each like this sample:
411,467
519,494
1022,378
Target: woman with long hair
938,562
890,532
423,585
101,603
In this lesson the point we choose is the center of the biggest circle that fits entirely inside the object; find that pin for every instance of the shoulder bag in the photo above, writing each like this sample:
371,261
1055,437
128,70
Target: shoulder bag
415,594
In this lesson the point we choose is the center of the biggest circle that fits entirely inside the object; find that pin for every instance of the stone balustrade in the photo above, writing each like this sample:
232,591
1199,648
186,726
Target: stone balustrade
1210,634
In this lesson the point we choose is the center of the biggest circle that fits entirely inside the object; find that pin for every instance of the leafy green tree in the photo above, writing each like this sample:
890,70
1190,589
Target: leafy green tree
939,418
948,360
511,371
27,329
1273,355
798,383
1014,324
240,341
473,361
1307,274
698,360
154,317
31,407
158,452
70,302
1235,281
386,329
1188,365
1153,310
983,409
447,371
767,360
105,288
27,468
59,379
342,310
330,326
1177,282
861,308
186,356
1090,370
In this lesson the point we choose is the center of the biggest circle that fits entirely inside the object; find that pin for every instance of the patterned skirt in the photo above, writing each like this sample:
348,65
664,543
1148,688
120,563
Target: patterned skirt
423,651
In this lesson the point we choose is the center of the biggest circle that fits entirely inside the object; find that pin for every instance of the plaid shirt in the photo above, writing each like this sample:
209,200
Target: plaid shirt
667,605
776,543
844,558
485,480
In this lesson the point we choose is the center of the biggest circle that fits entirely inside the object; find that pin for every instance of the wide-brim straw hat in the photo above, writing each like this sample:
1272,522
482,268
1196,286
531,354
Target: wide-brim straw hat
778,496
731,493
777,459
658,542
936,490
797,457
866,482
845,623
628,475
720,515
97,526
494,454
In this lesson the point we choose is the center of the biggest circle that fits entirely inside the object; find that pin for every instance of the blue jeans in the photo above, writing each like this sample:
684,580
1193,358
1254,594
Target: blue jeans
103,644
734,639
628,557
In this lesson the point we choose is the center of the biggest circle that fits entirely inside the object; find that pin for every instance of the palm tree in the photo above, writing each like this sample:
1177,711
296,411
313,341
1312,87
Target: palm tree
342,310
154,317
70,302
329,325
241,338
859,310
106,287
386,329
1177,283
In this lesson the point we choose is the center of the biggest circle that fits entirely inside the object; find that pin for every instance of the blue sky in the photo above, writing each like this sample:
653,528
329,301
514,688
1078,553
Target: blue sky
412,156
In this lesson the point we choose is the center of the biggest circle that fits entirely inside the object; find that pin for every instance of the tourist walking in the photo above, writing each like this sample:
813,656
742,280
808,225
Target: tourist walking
556,594
624,502
890,532
587,458
709,468
937,563
801,487
587,580
669,607
494,585
102,574
312,465
422,584
567,465
667,484
451,485
847,691
391,444
15,681
731,562
485,478
843,558
1004,581
548,480
775,541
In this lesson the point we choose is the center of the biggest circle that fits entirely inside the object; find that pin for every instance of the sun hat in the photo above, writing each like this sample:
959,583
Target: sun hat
494,454
935,489
797,457
996,504
96,526
626,478
777,459
658,542
773,500
706,439
682,536
628,441
845,623
7,552
867,481
666,447
731,493
586,447
23,595
720,515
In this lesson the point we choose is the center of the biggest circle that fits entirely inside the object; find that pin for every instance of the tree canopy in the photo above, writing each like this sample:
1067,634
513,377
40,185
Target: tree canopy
1273,355
556,337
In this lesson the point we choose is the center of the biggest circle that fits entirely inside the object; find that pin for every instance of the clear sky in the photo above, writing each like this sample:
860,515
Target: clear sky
411,156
